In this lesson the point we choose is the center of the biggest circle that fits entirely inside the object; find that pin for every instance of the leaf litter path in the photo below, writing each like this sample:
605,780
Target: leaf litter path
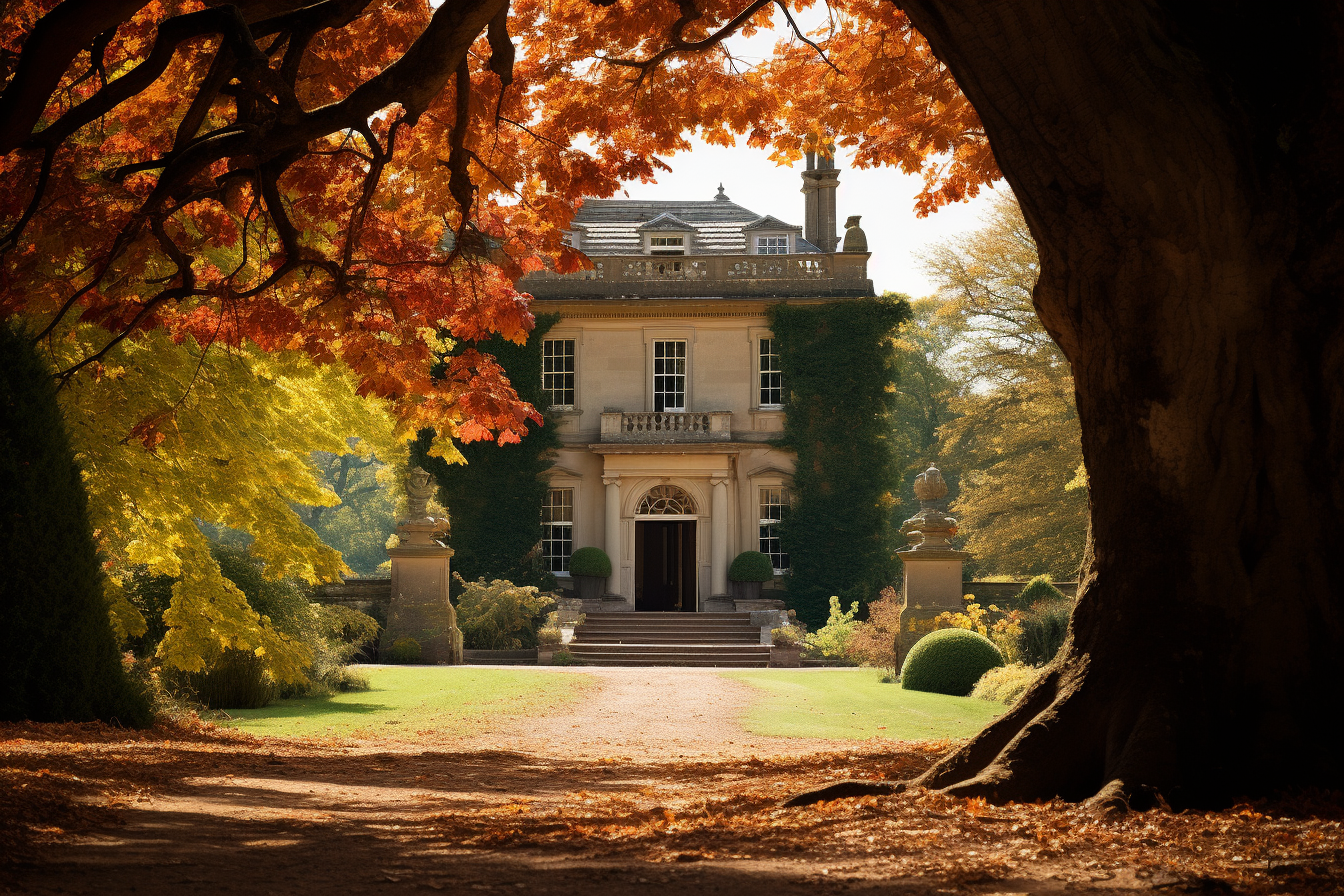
651,787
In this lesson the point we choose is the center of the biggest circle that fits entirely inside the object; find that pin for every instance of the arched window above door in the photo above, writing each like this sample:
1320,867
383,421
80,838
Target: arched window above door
666,499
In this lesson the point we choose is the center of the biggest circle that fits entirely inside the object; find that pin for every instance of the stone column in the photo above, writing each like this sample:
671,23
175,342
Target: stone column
611,522
719,524
932,580
420,608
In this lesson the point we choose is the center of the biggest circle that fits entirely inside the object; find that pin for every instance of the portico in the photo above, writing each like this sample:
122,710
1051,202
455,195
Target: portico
648,488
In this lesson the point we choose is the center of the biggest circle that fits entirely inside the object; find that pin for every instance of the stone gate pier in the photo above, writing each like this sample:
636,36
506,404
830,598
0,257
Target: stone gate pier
419,607
932,567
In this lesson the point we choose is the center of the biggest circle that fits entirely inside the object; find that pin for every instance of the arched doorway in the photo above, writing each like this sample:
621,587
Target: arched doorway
665,551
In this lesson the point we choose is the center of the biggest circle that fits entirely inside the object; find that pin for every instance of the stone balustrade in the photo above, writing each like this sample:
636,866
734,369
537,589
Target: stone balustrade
746,276
667,426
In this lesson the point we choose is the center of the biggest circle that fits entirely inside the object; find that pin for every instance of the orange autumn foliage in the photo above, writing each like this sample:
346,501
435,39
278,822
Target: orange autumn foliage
355,179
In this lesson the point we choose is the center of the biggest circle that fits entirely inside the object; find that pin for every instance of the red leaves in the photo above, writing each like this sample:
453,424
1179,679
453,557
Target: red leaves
339,251
147,431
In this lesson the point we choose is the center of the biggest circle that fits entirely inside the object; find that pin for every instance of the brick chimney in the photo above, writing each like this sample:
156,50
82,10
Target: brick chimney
819,183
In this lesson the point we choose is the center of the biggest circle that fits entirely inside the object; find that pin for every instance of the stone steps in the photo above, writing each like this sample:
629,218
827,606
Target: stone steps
757,657
669,639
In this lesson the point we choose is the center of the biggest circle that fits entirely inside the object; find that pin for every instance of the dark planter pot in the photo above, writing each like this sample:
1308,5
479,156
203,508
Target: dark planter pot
746,590
589,587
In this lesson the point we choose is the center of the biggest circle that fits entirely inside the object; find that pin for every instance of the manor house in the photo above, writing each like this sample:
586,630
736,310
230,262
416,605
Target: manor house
665,381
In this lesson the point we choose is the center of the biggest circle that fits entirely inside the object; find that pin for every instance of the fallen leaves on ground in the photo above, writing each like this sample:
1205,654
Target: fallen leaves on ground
58,782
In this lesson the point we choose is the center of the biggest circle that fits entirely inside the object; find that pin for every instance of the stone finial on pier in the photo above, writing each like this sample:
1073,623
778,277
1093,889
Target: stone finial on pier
930,529
419,528
931,567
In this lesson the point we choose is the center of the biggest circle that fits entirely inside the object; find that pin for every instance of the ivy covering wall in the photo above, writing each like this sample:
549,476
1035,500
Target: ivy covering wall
839,367
494,500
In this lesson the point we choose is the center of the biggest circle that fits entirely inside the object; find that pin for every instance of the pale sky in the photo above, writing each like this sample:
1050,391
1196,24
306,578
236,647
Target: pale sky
884,197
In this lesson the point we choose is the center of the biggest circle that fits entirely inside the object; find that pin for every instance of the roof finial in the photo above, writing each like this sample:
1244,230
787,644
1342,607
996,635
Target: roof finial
721,195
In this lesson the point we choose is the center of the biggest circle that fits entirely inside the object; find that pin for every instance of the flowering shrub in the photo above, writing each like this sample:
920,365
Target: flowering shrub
500,615
1006,683
1005,631
832,641
874,642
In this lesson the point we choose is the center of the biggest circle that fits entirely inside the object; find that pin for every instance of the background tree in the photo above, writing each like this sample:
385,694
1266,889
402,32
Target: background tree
923,401
235,456
366,517
1012,429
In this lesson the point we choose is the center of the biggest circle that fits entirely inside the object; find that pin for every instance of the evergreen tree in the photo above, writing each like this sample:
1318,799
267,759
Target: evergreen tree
61,661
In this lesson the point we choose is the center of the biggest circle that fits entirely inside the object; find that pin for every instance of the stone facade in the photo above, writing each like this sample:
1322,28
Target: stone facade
665,385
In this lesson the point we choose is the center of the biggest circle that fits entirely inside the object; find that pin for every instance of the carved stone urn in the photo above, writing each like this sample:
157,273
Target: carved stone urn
930,529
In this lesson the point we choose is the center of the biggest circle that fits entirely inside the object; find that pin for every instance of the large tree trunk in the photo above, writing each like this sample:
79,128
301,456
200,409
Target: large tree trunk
1182,172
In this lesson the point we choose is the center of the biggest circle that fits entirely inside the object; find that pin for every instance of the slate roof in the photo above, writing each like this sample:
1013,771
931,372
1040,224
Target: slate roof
616,226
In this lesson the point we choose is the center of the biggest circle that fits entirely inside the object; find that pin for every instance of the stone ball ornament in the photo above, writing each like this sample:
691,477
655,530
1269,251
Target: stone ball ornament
930,486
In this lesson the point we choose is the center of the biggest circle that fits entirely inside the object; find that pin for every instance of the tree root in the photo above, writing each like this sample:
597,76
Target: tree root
1061,740
842,790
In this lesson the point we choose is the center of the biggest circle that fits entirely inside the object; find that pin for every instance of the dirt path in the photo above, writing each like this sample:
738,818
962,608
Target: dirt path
645,788
649,715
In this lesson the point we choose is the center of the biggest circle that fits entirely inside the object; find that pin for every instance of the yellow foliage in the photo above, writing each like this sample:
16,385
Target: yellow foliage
1003,631
127,621
167,437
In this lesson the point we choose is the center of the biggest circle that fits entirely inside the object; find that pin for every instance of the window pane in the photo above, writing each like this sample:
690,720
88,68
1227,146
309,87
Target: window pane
771,377
557,525
669,375
774,504
667,245
772,245
557,370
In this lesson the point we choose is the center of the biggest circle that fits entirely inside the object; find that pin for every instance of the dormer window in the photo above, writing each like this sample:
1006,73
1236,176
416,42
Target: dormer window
771,236
667,245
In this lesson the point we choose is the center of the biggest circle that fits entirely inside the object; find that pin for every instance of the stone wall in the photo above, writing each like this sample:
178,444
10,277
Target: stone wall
1004,593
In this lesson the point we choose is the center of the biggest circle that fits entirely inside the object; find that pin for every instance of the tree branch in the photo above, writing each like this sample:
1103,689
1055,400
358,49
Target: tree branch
55,41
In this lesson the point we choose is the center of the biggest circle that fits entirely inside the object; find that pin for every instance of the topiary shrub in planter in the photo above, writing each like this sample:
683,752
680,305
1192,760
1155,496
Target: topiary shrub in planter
749,570
590,567
949,661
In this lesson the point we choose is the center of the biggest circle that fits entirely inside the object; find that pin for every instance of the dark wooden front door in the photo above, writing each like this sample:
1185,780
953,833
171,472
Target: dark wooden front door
665,565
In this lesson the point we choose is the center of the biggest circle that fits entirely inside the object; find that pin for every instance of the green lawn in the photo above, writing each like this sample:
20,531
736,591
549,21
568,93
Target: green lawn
410,700
854,704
